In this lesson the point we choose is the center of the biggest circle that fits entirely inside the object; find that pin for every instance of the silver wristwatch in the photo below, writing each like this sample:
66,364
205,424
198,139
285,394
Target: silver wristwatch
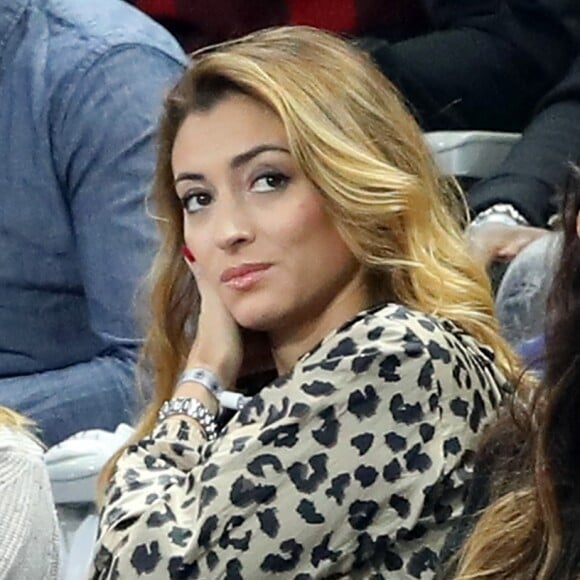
192,408
500,213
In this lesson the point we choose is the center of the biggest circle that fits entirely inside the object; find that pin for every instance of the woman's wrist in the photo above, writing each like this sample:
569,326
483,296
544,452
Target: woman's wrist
220,367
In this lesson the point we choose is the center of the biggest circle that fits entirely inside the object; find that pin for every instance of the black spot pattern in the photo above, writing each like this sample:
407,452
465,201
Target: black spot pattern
364,404
338,487
282,436
275,414
452,446
366,475
245,492
423,560
417,459
401,505
307,511
353,464
209,472
426,430
231,537
323,553
286,560
318,388
180,536
345,347
299,410
258,465
459,407
392,471
395,442
362,513
269,523
361,364
308,482
146,557
362,442
327,434
404,412
389,368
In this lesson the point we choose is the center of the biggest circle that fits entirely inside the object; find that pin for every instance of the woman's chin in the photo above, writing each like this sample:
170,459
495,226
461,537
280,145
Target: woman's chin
258,321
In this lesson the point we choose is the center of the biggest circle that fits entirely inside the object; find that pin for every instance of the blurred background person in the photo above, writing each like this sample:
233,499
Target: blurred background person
29,536
507,65
198,24
528,468
80,91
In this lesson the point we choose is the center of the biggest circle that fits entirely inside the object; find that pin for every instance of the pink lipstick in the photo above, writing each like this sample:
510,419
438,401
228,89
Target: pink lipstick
245,276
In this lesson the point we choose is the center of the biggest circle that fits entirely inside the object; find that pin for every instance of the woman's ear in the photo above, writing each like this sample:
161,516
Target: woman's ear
578,224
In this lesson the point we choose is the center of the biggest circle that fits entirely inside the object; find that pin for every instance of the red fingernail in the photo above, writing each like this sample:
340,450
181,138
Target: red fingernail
187,254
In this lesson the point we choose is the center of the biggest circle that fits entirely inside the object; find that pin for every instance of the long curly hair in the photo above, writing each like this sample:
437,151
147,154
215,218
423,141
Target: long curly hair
532,528
353,137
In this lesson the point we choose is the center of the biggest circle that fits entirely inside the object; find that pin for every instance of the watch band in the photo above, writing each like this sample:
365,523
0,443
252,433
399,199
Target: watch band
192,408
503,213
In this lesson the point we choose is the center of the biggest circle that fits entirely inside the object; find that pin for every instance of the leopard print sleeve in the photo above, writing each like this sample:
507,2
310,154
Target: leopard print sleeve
353,465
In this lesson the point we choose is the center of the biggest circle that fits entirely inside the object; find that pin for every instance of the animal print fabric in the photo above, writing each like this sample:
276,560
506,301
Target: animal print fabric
354,465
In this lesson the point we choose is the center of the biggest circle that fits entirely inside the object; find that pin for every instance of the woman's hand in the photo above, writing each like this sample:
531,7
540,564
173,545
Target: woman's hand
218,343
499,242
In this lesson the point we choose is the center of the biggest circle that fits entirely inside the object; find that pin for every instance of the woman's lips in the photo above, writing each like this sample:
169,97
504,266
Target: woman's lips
243,277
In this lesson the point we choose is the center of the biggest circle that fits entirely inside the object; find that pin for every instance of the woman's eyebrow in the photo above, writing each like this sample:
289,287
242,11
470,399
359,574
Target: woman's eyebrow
247,156
236,162
187,176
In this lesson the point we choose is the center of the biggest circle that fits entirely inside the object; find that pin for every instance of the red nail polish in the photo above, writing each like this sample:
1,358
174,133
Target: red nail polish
187,254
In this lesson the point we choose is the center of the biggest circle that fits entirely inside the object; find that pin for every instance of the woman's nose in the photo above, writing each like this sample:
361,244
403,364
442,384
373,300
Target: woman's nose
233,226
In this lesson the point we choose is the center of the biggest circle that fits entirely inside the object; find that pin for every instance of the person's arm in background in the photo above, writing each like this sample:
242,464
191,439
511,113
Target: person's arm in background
530,176
486,68
103,148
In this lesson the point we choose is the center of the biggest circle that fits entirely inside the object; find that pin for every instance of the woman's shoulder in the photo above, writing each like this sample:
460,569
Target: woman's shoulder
395,340
397,328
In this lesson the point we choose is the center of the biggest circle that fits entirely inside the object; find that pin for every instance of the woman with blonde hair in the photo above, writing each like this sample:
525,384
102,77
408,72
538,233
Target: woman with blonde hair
29,536
317,236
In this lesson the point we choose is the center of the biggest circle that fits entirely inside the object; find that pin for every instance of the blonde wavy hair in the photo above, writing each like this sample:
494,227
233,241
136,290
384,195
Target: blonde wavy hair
354,139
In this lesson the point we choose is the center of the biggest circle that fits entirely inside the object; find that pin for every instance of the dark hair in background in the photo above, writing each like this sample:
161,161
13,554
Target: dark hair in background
559,433
531,528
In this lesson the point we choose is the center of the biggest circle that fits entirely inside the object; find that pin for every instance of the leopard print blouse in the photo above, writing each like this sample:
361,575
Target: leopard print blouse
354,465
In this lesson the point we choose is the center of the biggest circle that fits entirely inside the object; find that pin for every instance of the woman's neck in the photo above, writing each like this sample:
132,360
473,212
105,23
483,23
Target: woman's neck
291,342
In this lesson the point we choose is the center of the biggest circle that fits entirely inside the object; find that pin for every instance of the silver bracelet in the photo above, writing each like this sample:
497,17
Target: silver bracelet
202,376
192,408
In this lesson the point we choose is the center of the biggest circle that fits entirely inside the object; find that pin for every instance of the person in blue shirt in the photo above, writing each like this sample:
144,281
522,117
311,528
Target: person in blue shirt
81,87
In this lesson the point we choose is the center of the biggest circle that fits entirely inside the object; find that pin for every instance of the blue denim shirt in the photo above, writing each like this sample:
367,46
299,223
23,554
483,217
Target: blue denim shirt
81,87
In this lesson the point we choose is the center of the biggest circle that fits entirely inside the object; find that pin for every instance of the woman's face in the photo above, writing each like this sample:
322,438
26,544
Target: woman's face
256,225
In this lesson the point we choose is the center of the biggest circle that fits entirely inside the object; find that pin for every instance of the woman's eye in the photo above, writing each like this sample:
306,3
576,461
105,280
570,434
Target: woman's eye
193,202
270,182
